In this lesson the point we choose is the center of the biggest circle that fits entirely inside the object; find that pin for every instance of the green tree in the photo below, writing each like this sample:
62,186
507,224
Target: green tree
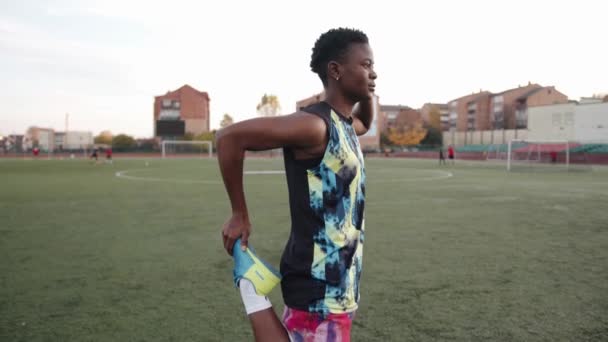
123,142
226,121
207,136
104,138
148,145
189,136
384,140
433,137
269,106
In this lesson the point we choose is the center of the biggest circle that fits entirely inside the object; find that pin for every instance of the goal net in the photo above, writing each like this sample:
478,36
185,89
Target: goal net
186,149
546,155
496,152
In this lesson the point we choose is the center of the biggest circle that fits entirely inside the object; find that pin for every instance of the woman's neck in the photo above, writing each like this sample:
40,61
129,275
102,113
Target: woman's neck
339,102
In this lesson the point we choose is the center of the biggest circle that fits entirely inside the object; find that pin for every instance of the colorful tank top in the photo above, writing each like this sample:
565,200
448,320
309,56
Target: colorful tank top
321,264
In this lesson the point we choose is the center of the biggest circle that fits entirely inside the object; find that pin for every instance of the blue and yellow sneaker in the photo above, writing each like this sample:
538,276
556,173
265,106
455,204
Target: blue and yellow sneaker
247,265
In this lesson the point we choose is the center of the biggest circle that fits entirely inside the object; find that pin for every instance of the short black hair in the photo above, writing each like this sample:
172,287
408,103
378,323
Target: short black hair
333,46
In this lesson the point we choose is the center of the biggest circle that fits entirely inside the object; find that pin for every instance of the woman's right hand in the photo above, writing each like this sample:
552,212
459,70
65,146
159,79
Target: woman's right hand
237,226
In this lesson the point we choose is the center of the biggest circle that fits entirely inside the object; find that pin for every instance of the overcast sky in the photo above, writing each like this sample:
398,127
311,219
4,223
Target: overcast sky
104,61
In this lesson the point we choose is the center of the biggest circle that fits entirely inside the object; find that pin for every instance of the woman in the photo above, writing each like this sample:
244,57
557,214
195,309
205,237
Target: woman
321,264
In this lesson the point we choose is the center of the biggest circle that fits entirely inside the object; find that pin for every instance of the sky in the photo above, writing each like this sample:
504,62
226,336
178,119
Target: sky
102,62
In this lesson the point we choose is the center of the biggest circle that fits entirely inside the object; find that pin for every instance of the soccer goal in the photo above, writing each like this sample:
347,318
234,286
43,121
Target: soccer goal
185,149
540,154
496,152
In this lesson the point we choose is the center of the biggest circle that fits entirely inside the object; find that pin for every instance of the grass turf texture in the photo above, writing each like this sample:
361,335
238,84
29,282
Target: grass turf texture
481,255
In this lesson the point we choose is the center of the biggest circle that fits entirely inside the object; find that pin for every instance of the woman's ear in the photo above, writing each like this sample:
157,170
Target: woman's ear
333,70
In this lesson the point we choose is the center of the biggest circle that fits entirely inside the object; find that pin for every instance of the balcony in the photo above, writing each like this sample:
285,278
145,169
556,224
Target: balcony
521,118
169,115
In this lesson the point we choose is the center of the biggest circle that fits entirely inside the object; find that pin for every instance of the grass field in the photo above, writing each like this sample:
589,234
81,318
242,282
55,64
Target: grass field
464,253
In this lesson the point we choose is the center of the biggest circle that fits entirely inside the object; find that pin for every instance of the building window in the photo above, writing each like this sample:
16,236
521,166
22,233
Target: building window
499,120
170,104
521,118
453,114
498,115
471,113
169,115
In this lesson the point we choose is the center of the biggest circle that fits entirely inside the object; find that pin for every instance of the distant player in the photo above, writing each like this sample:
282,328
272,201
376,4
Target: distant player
109,155
36,151
553,157
441,156
451,153
95,155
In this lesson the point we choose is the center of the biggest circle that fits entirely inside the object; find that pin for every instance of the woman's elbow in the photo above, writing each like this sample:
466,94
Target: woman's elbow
222,135
226,138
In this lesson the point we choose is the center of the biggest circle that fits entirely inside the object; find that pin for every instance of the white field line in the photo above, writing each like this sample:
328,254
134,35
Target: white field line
124,174
439,174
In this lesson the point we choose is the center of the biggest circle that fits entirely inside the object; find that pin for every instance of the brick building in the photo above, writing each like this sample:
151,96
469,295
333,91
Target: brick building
398,115
469,112
505,110
442,111
185,110
536,97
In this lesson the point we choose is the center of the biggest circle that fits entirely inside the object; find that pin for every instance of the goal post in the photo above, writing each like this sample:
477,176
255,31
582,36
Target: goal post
181,148
530,152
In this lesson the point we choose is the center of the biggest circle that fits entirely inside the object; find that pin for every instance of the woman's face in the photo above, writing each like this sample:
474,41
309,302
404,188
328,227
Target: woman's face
357,73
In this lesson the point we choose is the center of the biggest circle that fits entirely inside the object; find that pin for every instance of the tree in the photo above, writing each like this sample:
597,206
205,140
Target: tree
226,121
104,138
269,106
188,136
385,140
123,142
207,136
149,144
433,137
412,135
435,118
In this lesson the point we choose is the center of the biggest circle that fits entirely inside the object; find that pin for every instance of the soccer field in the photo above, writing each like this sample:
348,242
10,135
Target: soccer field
133,252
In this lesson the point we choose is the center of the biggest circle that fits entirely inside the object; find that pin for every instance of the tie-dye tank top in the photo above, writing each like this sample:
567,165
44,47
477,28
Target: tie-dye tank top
321,264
